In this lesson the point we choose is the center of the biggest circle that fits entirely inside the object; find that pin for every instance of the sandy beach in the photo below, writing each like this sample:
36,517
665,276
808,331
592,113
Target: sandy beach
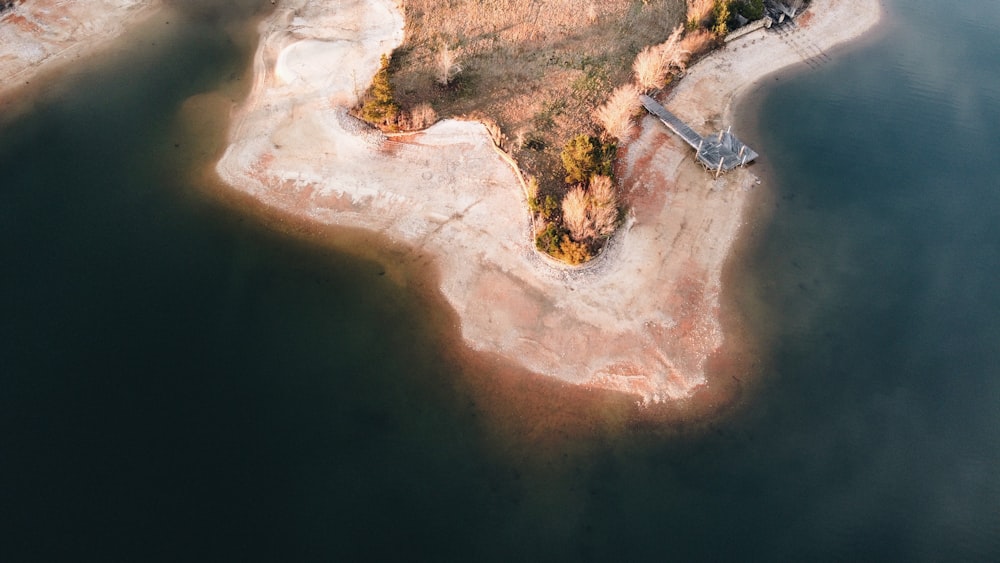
643,318
39,35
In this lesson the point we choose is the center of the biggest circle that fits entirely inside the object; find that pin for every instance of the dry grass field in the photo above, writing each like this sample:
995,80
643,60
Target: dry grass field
538,68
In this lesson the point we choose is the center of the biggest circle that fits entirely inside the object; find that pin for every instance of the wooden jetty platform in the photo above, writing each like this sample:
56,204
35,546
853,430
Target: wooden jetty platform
720,152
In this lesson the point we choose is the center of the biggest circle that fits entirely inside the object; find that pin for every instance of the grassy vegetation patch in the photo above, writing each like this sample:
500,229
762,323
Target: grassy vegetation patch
554,81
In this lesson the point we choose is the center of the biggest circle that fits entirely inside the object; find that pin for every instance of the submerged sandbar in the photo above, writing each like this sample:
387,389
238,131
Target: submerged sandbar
38,35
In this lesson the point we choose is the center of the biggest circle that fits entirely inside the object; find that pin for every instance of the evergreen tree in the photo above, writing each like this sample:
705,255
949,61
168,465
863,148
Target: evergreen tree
579,158
584,156
751,9
380,107
722,15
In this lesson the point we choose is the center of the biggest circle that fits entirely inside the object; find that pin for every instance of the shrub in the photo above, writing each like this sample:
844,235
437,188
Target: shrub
698,11
584,156
721,15
698,41
647,68
572,252
575,207
549,207
653,63
548,239
580,157
750,9
532,187
591,212
603,205
616,114
423,116
545,207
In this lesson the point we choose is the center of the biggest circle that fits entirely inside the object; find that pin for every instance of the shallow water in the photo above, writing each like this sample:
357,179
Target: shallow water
186,377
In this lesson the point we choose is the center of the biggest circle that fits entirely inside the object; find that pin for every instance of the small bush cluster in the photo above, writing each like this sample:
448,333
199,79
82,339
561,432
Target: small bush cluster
422,116
380,108
575,228
725,14
546,70
750,9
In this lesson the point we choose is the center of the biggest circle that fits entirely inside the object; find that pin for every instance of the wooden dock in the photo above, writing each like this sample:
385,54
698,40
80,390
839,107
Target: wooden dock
719,153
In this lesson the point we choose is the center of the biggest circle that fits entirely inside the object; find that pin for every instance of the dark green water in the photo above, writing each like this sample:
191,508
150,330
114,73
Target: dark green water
180,380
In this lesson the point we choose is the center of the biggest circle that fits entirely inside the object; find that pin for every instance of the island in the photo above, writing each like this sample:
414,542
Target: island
641,316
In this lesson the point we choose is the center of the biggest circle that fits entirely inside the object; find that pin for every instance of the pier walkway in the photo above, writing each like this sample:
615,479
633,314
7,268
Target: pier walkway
720,152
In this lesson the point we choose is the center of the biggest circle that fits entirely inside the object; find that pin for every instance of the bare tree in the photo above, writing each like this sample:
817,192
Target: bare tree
616,114
447,65
575,206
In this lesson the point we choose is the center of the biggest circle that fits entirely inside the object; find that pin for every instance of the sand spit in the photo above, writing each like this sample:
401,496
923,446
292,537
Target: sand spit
39,34
643,318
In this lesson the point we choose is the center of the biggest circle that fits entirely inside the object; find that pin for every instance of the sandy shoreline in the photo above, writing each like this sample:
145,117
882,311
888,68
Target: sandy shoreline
644,319
40,35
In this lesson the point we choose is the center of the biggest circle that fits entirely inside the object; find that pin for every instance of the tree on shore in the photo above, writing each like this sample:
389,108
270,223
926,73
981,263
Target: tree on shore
380,107
584,156
721,13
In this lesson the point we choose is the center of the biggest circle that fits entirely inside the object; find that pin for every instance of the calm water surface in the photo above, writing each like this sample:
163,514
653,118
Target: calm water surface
180,380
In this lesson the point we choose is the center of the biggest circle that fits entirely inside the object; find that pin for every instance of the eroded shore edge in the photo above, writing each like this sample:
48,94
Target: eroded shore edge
43,36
